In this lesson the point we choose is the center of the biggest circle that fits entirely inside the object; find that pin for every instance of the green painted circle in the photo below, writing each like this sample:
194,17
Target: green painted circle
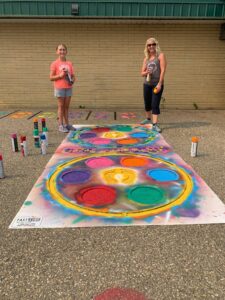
147,195
124,128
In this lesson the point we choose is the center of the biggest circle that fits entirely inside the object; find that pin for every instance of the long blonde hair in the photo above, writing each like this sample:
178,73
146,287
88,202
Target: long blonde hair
146,52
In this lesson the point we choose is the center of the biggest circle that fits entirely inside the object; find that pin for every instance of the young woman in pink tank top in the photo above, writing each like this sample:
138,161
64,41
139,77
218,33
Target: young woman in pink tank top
62,73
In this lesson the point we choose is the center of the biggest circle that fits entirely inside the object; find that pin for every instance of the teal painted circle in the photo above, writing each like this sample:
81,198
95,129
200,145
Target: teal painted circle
163,175
147,195
124,128
139,135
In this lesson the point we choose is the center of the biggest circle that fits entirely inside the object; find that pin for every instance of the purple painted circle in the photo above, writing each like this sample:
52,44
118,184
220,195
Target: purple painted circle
88,135
75,176
187,213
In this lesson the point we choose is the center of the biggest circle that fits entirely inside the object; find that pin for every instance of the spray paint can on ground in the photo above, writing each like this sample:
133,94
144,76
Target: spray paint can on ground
45,132
194,146
43,144
2,174
36,138
43,123
14,142
35,123
23,144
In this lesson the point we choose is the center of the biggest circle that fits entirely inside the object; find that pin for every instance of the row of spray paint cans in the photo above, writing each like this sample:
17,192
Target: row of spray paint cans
40,141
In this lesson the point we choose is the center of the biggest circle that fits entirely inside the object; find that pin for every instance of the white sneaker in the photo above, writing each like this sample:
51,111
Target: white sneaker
68,127
63,129
146,121
156,128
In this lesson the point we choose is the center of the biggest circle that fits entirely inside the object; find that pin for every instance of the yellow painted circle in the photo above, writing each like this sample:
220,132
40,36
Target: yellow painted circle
114,135
66,202
119,176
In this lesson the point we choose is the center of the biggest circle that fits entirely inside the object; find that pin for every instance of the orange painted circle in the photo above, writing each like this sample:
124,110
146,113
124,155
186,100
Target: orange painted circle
133,161
128,141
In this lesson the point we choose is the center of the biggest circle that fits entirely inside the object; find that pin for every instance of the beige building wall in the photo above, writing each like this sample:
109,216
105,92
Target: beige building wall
107,57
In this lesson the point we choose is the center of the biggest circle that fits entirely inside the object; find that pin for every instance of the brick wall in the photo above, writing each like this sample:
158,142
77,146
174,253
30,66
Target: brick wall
107,58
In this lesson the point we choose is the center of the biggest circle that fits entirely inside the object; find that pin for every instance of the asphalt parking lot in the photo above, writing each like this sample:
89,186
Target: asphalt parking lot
160,262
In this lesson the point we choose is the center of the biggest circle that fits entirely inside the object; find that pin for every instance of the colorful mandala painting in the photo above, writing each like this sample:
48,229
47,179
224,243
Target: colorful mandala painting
117,175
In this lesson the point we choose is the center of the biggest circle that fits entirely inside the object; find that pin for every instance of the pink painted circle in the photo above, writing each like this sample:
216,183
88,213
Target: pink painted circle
99,162
120,294
99,141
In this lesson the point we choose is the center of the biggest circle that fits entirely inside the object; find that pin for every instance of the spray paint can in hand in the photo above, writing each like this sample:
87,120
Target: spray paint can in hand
45,132
43,144
36,138
15,147
194,146
2,174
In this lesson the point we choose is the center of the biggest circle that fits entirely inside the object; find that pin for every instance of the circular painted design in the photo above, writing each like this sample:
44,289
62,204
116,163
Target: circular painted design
96,196
87,135
128,141
125,128
147,195
140,134
134,161
101,129
144,197
120,294
100,141
163,175
113,136
119,176
99,162
75,176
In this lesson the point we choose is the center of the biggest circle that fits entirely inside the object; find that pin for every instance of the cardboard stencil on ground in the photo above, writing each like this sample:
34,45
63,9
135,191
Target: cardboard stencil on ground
47,114
132,116
117,175
4,113
78,115
101,116
21,114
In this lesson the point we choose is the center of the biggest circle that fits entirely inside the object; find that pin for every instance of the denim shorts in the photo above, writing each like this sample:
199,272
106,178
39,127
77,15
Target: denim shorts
63,92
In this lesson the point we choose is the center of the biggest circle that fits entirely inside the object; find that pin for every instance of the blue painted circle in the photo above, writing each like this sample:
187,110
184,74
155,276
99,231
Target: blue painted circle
139,134
163,175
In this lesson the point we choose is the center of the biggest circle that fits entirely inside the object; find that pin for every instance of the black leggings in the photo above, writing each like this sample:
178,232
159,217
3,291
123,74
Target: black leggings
152,100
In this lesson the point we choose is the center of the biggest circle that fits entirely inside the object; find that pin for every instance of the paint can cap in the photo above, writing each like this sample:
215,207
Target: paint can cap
23,138
43,119
35,120
0,156
195,139
13,135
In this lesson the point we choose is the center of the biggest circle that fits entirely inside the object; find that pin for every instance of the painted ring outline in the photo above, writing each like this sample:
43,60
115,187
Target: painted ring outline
75,138
51,185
